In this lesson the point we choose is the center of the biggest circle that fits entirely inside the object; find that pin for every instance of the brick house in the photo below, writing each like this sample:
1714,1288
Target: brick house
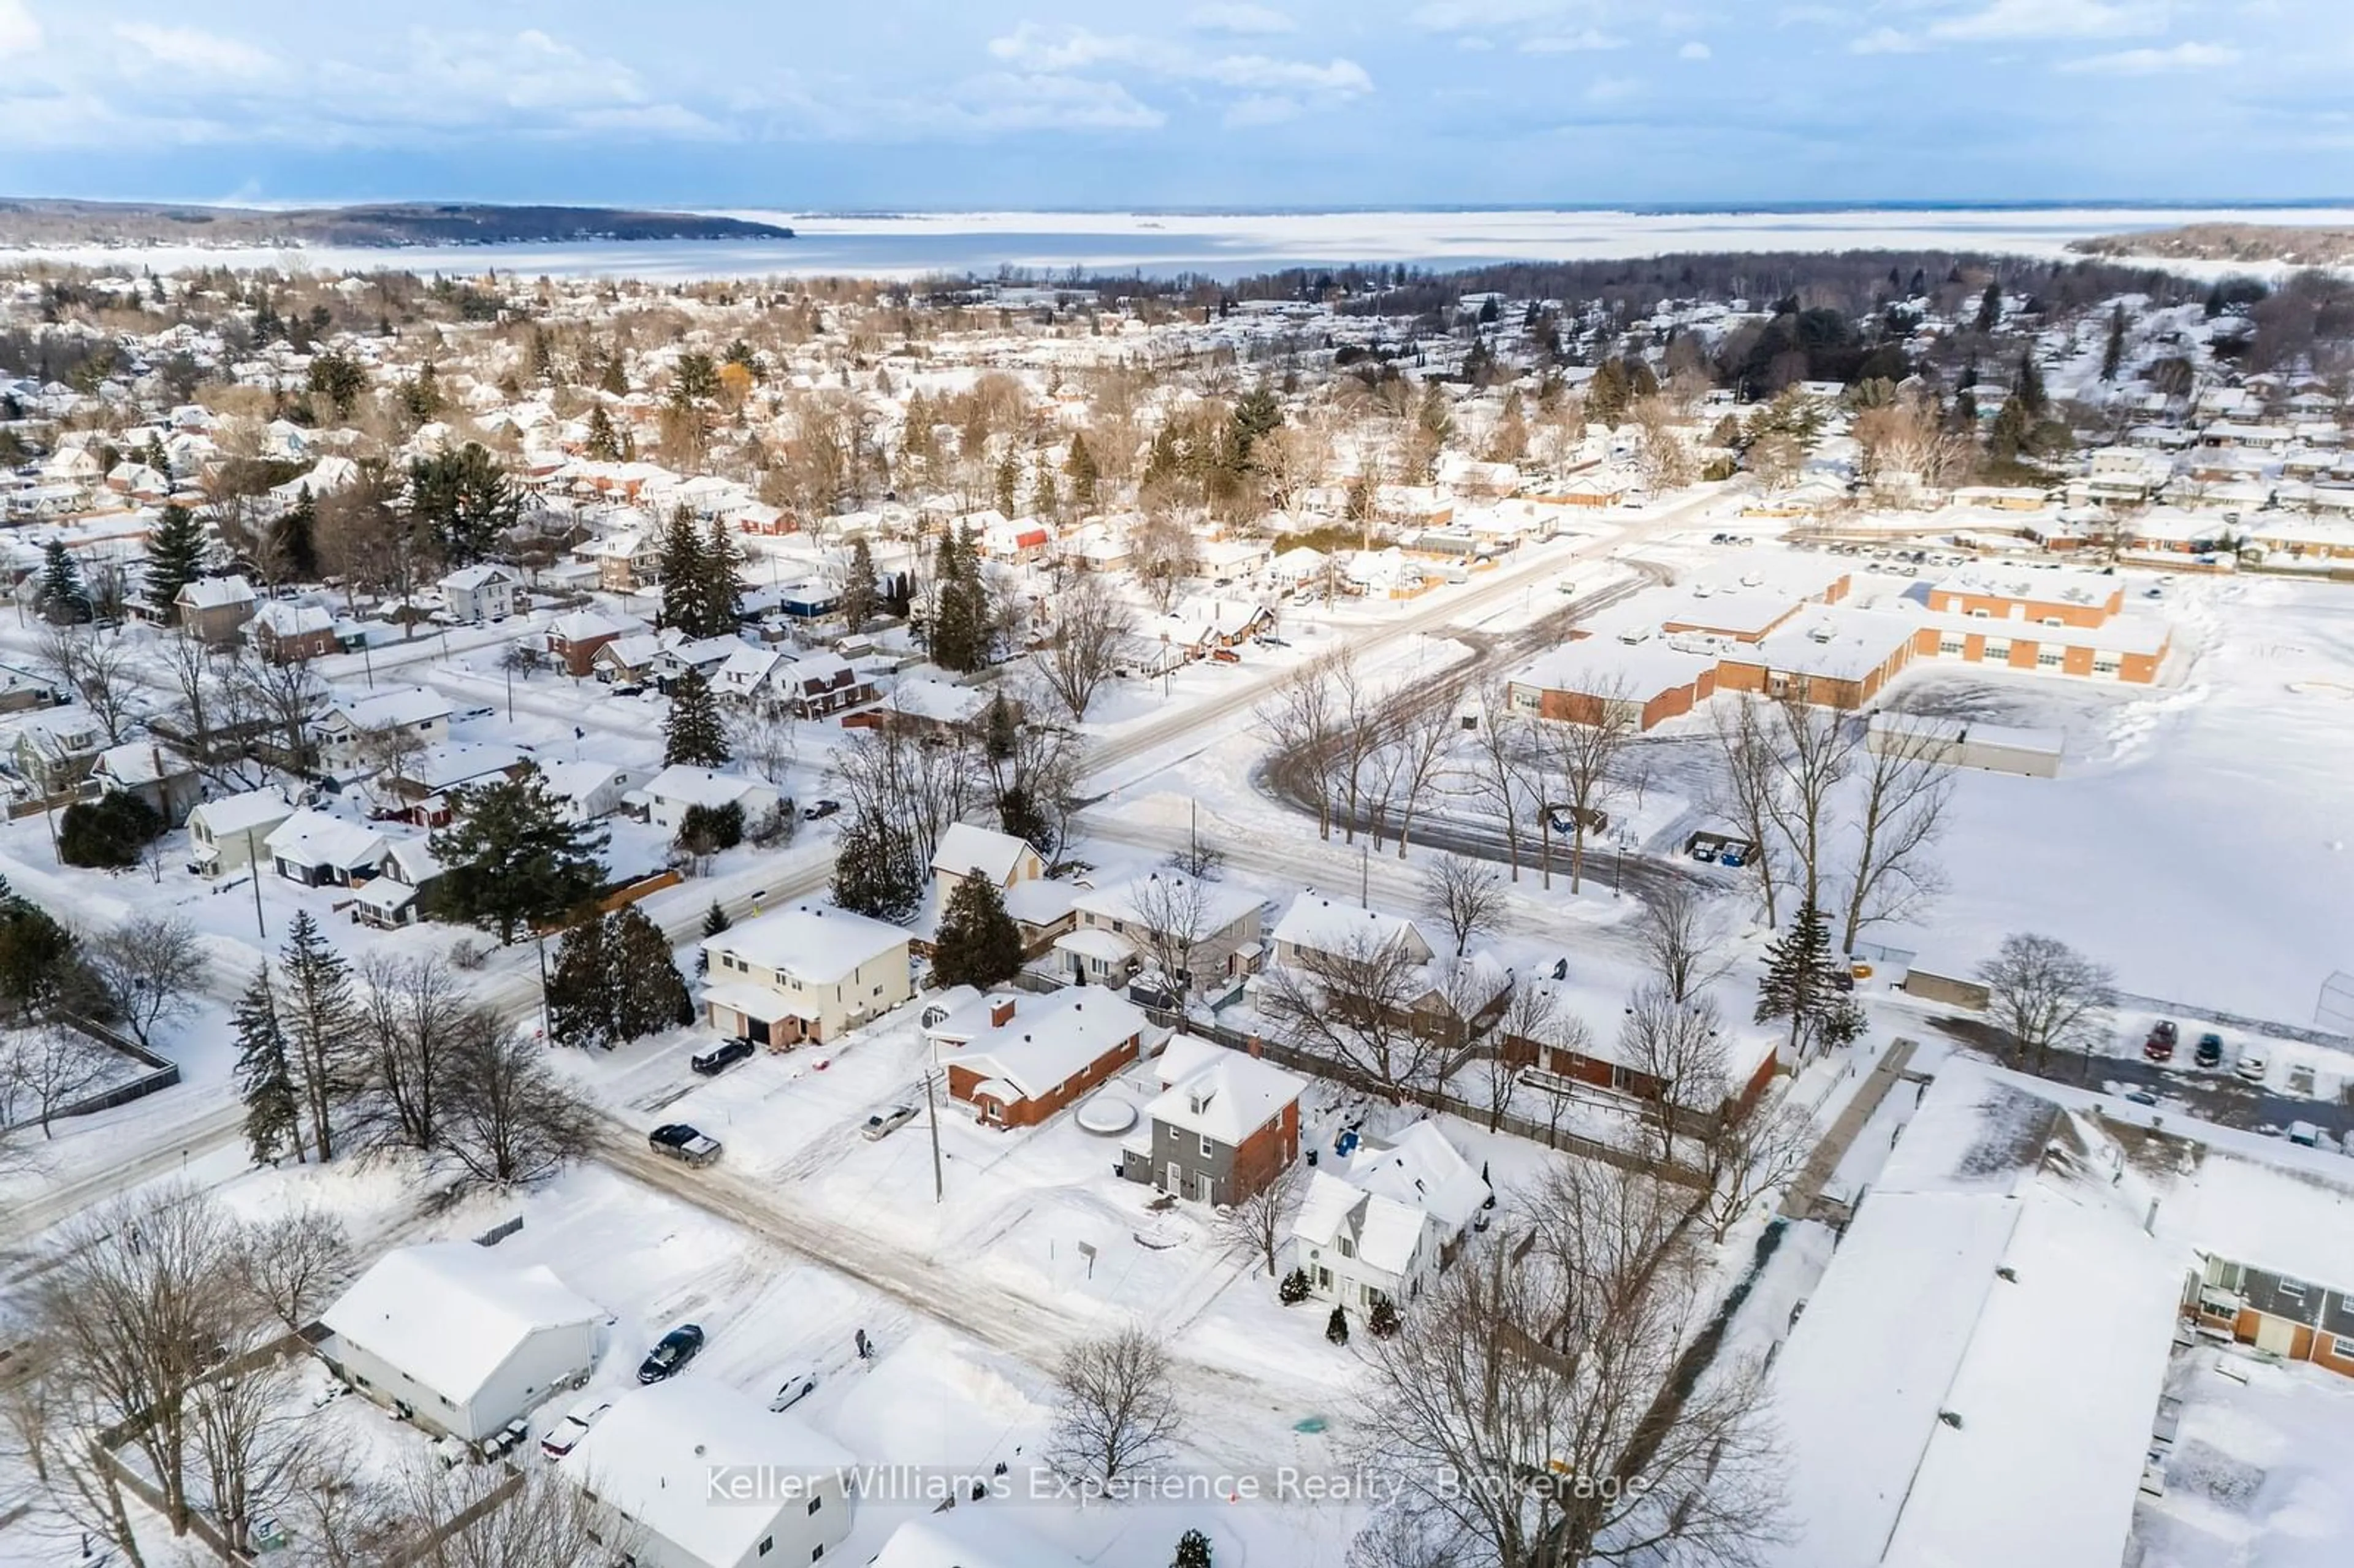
215,609
287,633
2291,1318
1018,1058
1224,1126
574,639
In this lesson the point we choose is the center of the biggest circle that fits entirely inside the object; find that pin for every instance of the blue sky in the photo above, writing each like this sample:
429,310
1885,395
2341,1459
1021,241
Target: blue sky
964,103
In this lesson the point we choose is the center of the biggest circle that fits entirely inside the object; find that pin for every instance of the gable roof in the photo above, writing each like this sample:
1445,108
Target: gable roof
1227,1098
255,809
448,1314
813,941
967,848
1052,1039
1322,924
314,837
215,593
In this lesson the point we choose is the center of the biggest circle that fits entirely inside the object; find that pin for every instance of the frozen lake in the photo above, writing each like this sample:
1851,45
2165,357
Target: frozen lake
1228,245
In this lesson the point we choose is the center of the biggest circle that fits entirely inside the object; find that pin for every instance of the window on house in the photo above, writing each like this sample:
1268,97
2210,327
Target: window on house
1347,1247
1205,1146
1950,645
2049,659
815,1504
817,1551
2341,1347
767,1544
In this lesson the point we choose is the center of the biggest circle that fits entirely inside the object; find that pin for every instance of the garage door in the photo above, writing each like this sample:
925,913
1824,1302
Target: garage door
2275,1334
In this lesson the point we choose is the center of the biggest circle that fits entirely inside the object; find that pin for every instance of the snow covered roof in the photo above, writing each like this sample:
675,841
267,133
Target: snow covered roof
1391,1196
314,837
407,706
283,617
1049,1040
581,625
814,941
968,1538
255,809
466,579
1220,905
652,1453
215,593
1227,1097
1322,925
967,848
696,785
448,1314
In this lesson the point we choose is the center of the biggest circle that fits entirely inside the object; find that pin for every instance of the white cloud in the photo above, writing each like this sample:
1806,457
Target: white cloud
1007,102
2054,19
1263,108
1613,89
1338,78
2155,62
1695,50
1809,16
1580,42
191,48
20,31
1885,41
1459,15
1235,17
1041,52
1473,43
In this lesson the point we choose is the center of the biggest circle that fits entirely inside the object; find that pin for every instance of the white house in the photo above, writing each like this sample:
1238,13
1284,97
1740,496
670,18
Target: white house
968,1538
318,851
342,732
967,850
1383,1222
657,1456
226,834
588,790
460,1340
485,592
809,972
672,793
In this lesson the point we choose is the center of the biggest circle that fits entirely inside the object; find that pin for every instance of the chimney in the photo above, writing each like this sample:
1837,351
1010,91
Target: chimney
1001,1012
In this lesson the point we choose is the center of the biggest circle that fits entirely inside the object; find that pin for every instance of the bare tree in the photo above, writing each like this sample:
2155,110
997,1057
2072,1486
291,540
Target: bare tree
1419,725
282,700
1533,1024
1753,1147
1163,551
766,740
246,1440
209,716
1816,751
1674,1052
1352,1003
1661,450
1464,896
98,670
919,788
1172,913
411,1011
293,1263
549,1518
1906,788
1093,625
150,967
1501,772
46,1067
2046,995
509,1119
1582,761
1686,946
1114,1409
1752,788
1257,1225
1298,718
1567,1356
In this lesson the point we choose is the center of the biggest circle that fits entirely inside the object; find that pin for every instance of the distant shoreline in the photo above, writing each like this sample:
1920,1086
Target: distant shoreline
35,223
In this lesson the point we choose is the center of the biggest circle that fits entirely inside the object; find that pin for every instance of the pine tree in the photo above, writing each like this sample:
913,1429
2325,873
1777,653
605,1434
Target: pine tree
1798,984
176,557
320,1018
63,597
1382,1321
978,943
1009,477
580,988
1080,468
692,731
2113,357
859,590
720,605
715,920
1991,308
683,579
1294,1288
1193,1550
959,629
615,379
513,857
1018,813
875,871
602,445
2027,388
650,994
273,1111
1606,393
1336,1327
464,498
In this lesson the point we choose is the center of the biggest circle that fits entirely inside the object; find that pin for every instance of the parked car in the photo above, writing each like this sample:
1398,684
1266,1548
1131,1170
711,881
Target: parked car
720,1057
566,1434
630,689
1226,656
2159,1045
883,1123
820,808
2250,1066
1267,640
2305,1133
669,1358
2209,1052
796,1389
682,1142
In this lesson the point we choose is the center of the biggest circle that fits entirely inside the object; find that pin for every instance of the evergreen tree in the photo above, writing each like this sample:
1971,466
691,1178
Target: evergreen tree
1798,983
875,871
682,568
63,597
465,498
1009,477
959,629
2113,357
1080,468
321,1019
978,943
615,379
2027,388
176,557
1193,1550
1294,1288
1044,501
1336,1327
692,731
650,994
602,445
860,592
1991,308
513,858
294,540
421,394
715,920
1382,1321
37,953
109,831
265,1076
581,985
1255,416
1606,394
1018,813
720,606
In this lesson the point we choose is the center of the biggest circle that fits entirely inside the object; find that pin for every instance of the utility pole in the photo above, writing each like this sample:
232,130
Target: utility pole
547,1032
1365,874
253,868
932,1116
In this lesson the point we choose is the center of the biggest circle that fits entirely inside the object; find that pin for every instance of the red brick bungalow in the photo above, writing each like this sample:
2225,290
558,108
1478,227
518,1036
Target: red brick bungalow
1016,1059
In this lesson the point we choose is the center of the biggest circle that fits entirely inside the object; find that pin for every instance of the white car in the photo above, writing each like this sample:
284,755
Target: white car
883,1123
2250,1066
575,1425
794,1390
